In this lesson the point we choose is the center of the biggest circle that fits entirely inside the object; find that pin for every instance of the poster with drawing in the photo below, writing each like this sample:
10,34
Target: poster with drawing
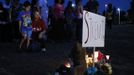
93,30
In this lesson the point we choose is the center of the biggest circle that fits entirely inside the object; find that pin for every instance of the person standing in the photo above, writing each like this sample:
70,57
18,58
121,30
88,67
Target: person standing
14,19
109,16
39,30
78,20
59,18
3,23
25,24
69,16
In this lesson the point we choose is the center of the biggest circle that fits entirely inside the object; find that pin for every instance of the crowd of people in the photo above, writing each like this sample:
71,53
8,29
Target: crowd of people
37,21
26,25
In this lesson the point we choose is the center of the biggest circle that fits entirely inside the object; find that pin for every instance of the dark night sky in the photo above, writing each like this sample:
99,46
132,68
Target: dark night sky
123,4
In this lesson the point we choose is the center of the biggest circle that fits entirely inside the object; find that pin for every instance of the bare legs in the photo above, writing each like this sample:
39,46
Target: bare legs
24,38
28,42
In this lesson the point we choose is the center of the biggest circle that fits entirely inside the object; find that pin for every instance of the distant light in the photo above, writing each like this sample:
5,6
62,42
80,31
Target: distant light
106,5
118,9
73,5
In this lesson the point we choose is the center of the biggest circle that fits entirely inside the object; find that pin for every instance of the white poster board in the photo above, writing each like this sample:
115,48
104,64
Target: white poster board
93,30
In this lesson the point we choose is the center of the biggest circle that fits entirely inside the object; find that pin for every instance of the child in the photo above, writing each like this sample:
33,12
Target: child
25,24
39,29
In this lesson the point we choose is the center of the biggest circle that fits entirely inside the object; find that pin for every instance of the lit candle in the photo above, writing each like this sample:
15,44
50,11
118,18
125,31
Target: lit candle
107,57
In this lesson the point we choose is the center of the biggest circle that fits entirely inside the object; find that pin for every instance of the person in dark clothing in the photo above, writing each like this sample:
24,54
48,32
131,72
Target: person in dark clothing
34,3
92,6
3,13
78,20
14,20
109,16
70,26
34,6
3,23
58,27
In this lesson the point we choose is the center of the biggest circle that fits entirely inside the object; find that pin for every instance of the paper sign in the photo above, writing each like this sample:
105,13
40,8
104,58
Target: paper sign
93,30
